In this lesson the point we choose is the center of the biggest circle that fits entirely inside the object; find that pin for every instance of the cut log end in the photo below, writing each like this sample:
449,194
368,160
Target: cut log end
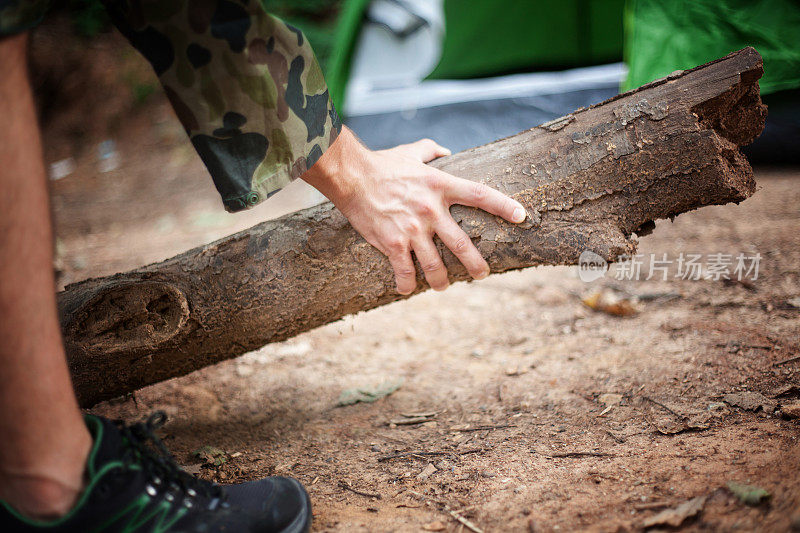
127,316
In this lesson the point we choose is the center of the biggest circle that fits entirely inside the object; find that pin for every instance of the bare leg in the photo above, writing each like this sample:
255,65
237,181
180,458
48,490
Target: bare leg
44,441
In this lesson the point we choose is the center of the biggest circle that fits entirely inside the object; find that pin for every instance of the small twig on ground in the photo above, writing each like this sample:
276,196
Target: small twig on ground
735,344
410,421
648,398
359,492
747,284
787,361
428,414
427,454
409,454
650,505
606,410
484,428
466,523
472,450
614,436
578,454
407,506
650,296
454,514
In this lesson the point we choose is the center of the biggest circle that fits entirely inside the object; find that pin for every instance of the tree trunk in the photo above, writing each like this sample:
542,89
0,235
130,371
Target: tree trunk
589,181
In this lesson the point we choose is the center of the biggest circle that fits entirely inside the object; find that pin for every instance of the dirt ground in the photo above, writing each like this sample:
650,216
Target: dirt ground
543,415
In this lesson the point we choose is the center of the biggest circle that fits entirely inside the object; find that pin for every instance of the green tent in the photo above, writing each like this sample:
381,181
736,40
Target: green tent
661,37
482,44
486,37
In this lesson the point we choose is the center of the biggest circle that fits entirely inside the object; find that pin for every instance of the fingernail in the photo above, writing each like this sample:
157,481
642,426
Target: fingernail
446,151
519,215
483,275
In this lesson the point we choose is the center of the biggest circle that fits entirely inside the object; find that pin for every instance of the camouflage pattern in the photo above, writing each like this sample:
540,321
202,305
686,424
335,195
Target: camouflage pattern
245,85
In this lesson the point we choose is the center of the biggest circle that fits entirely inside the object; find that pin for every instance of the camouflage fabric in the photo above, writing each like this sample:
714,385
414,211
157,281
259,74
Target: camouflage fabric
245,85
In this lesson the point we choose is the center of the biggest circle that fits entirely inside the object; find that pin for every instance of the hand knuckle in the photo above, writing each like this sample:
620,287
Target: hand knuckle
432,266
461,244
480,191
396,245
405,272
425,210
412,227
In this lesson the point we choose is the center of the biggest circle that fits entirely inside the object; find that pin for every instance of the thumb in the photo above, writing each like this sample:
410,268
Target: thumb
423,150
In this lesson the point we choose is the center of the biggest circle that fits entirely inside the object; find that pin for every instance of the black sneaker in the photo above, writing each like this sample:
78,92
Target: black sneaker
135,486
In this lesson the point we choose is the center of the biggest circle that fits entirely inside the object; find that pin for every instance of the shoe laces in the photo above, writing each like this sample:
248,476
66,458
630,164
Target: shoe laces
146,450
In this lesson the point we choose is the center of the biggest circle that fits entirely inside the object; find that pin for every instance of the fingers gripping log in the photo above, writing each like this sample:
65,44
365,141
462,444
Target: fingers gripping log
589,181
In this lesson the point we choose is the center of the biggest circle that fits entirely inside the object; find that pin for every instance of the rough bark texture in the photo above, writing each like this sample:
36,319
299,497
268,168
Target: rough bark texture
589,181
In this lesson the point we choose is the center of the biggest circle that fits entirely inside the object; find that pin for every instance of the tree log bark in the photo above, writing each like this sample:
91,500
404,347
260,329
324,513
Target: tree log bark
589,180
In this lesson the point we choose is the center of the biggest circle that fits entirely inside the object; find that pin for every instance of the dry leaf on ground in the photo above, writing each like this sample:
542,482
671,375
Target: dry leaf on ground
750,401
748,494
367,394
605,301
427,472
675,517
210,455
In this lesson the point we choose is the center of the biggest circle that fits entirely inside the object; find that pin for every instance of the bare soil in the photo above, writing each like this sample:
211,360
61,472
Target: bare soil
514,367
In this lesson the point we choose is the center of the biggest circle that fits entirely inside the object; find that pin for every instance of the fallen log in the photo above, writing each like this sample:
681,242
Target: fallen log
589,180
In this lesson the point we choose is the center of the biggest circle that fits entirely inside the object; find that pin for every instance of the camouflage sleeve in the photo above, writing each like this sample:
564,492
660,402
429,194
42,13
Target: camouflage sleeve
17,16
245,85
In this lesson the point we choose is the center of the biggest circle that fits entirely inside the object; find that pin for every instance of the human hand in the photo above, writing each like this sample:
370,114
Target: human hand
397,203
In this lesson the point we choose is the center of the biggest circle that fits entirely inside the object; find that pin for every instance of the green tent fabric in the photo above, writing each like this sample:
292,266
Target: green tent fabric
661,37
487,37
347,30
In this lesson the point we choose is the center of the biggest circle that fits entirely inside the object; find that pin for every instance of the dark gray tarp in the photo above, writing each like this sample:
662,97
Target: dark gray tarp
462,125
